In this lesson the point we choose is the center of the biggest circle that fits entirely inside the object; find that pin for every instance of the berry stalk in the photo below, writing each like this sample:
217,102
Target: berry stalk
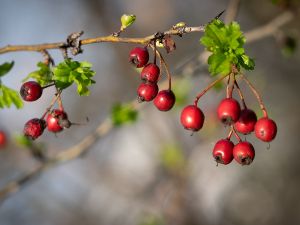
256,94
208,88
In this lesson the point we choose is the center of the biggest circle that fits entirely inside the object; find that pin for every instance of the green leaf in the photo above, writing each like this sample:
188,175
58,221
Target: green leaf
226,43
8,97
5,68
68,72
127,20
123,113
43,75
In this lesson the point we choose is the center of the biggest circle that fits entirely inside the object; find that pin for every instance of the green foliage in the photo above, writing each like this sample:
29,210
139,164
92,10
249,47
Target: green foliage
68,72
123,113
5,68
172,158
8,97
43,75
181,89
23,141
225,42
127,20
152,220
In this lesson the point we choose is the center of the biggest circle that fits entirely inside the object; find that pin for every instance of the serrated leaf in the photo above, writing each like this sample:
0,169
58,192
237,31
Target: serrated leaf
68,72
5,68
123,113
8,97
226,42
43,76
219,64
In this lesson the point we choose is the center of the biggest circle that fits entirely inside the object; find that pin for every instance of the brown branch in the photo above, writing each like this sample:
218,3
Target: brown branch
110,38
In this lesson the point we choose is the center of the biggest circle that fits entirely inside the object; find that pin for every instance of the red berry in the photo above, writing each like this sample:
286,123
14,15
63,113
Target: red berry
229,111
150,73
265,129
57,120
139,56
244,153
192,118
164,100
31,91
2,139
223,151
147,91
246,122
34,128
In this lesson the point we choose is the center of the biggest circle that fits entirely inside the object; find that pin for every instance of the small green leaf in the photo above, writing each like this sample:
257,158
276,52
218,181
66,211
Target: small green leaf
123,113
68,72
43,76
127,20
5,68
8,97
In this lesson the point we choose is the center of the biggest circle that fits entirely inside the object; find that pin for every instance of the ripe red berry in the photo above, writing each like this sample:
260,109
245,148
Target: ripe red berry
223,151
2,139
246,122
265,129
244,153
57,120
192,118
147,91
150,73
164,100
34,128
139,56
31,91
229,111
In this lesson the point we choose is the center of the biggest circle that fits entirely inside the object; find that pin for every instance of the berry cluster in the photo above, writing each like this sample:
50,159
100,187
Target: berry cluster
56,119
242,121
148,90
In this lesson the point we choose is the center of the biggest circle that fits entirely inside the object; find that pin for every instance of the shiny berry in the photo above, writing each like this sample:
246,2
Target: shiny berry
223,151
244,153
31,91
164,100
246,122
57,120
150,73
229,111
139,56
192,118
147,91
2,139
34,128
265,129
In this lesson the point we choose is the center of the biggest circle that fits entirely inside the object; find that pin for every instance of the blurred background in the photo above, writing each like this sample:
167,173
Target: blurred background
151,172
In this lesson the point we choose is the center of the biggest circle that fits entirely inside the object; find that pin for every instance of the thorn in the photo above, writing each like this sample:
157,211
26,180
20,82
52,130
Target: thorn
219,15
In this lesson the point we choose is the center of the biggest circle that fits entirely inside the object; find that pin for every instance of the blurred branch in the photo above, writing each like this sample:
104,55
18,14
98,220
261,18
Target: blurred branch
232,10
106,126
270,28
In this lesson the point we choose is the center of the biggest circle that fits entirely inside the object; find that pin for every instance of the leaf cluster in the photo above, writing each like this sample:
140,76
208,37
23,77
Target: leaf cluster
8,96
226,43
